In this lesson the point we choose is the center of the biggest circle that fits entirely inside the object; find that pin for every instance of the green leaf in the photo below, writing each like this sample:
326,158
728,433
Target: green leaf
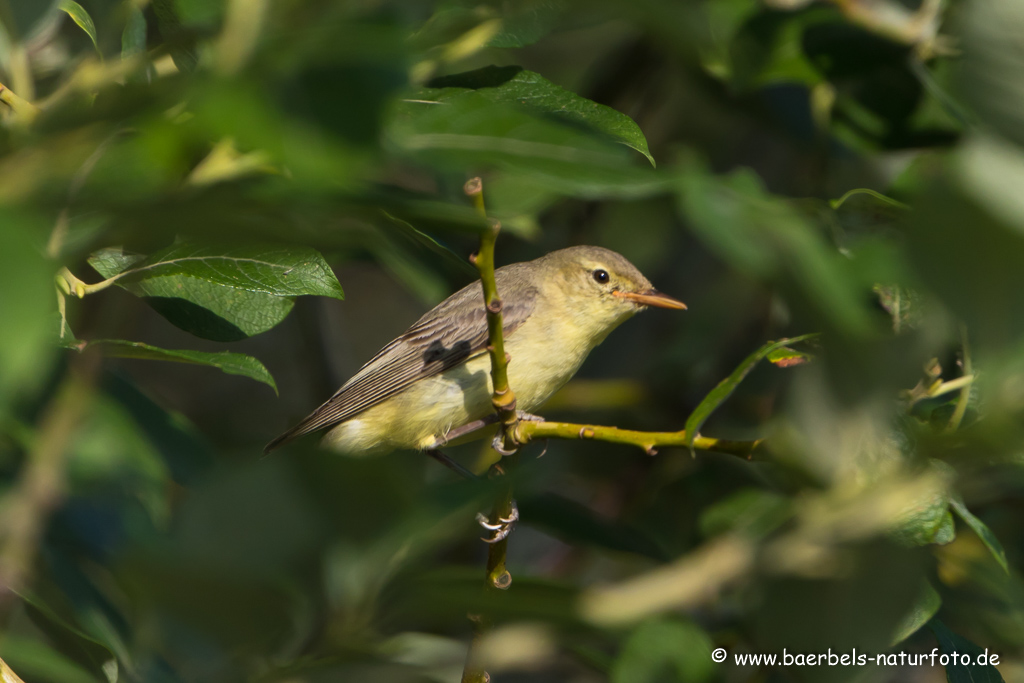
86,649
721,393
282,271
924,521
959,672
927,604
33,660
470,129
764,236
223,294
133,38
754,512
567,519
984,533
225,361
26,307
516,86
681,647
528,22
82,18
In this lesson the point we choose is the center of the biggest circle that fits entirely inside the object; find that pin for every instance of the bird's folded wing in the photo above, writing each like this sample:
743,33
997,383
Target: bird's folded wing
446,336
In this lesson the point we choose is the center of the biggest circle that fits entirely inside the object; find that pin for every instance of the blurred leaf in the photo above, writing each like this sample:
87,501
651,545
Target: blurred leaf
991,75
221,294
82,18
39,662
27,315
924,609
963,673
85,649
184,451
468,129
769,49
984,533
225,361
203,14
723,391
528,22
763,236
575,523
926,520
514,85
133,38
23,20
656,645
754,512
684,584
837,203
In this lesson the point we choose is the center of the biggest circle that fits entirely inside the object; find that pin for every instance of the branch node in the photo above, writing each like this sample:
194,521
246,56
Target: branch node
473,186
472,258
650,450
502,581
586,433
495,306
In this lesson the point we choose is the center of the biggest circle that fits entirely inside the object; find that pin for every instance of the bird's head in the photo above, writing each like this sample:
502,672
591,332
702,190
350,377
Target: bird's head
603,285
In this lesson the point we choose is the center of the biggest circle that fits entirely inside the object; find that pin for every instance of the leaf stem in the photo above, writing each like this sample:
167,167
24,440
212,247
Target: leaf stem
69,284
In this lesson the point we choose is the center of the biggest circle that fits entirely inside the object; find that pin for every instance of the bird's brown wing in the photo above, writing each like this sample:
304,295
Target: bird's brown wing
451,333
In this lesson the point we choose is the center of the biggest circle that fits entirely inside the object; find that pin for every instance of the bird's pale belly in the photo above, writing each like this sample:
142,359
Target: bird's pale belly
433,406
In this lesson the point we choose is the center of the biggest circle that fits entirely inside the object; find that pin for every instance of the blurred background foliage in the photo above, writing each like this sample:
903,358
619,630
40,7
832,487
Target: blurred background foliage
194,174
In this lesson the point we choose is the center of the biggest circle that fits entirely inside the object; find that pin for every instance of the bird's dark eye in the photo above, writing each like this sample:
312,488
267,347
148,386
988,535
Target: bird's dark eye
601,275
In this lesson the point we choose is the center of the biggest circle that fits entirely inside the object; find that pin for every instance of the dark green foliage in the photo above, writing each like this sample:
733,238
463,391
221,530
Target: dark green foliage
842,177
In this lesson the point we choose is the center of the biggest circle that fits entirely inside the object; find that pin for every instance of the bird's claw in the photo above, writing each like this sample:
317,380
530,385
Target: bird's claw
503,528
528,417
498,444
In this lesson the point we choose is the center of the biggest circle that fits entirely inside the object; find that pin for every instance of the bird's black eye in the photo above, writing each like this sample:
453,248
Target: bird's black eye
601,275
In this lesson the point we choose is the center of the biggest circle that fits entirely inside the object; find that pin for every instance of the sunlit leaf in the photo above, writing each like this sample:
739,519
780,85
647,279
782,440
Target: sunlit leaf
516,86
82,18
221,294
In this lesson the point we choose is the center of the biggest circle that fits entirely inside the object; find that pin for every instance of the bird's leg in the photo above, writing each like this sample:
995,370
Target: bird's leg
465,429
504,525
450,463
498,442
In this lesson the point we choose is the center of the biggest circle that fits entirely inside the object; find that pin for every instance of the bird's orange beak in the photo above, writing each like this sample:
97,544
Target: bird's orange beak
652,297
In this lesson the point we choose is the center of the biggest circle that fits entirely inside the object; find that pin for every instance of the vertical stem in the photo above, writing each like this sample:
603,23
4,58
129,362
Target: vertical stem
504,401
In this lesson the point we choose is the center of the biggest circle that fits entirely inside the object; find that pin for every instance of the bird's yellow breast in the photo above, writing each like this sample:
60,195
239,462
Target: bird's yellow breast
546,351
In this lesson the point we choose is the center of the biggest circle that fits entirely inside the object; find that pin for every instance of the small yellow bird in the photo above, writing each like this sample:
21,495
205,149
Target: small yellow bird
436,377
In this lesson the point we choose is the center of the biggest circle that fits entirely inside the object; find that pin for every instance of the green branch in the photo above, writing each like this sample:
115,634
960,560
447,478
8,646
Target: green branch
503,398
649,442
504,401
